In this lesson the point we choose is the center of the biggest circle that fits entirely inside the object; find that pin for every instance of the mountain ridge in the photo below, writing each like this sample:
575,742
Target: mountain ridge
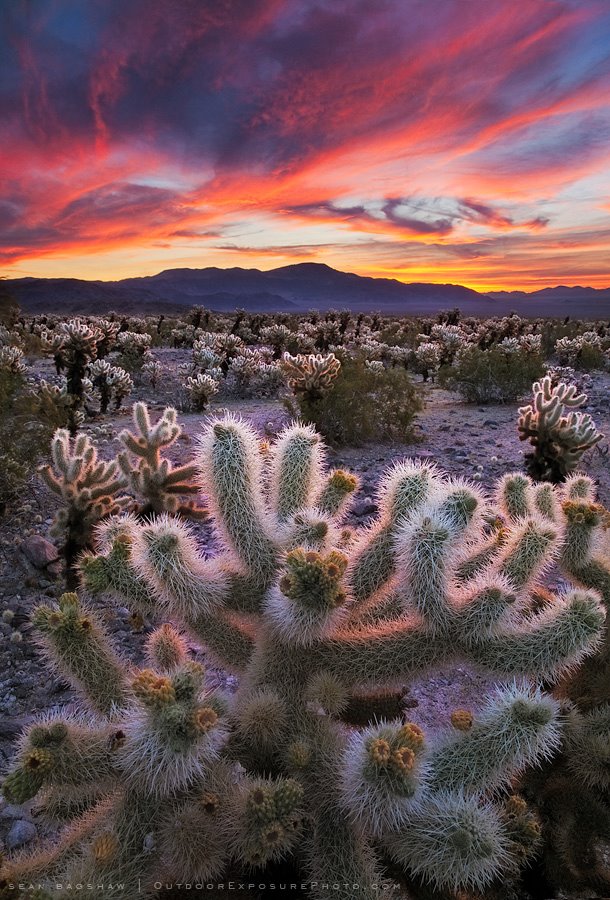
294,288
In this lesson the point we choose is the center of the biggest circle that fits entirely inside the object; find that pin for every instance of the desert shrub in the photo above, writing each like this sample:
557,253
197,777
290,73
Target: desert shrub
585,351
26,427
364,403
497,375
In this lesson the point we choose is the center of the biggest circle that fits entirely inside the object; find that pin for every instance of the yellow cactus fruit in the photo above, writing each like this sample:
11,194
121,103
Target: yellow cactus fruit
105,847
38,760
205,718
403,759
380,752
411,734
462,719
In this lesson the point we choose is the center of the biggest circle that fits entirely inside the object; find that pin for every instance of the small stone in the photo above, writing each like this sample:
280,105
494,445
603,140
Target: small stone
40,551
364,507
22,832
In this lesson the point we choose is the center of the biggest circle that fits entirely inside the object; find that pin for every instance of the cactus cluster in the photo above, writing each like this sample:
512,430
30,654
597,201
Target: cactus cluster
90,489
311,375
151,476
111,382
200,389
558,433
74,346
312,616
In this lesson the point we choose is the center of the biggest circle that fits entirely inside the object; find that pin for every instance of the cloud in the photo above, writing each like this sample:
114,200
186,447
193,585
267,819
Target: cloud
140,124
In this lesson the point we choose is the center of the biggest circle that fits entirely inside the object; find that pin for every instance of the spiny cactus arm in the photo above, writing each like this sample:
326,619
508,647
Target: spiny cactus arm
546,502
231,467
54,483
384,768
195,832
519,727
479,558
112,572
547,644
580,556
119,850
76,645
173,732
384,655
587,747
530,547
579,487
63,753
295,470
336,494
41,863
228,636
148,439
404,489
452,841
335,851
309,600
164,553
269,820
514,496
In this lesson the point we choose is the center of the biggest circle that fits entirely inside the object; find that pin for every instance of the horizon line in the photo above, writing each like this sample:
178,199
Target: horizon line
478,290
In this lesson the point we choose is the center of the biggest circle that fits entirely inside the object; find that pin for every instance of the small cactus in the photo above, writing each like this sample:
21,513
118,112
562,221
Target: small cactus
90,489
558,433
152,477
311,376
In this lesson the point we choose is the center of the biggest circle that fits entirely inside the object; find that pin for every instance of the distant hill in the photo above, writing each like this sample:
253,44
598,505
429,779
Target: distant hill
295,288
577,302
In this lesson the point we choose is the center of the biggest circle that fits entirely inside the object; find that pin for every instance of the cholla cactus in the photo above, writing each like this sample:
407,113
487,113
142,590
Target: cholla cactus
89,488
108,332
310,615
311,376
74,346
152,369
559,437
573,790
427,358
277,336
252,373
204,357
201,389
151,476
12,361
134,350
112,382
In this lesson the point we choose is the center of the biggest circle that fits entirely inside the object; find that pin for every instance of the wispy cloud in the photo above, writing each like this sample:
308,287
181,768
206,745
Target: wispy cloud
455,137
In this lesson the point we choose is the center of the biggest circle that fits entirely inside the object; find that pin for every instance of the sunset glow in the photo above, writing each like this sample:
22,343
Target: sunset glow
463,141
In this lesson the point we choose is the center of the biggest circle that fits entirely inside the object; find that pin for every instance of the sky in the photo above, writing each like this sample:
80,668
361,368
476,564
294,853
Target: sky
462,141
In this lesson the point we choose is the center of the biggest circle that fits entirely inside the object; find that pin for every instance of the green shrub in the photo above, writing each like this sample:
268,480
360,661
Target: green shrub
492,376
366,402
26,428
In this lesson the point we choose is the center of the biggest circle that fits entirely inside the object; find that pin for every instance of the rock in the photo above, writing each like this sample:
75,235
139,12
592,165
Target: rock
22,832
364,507
39,551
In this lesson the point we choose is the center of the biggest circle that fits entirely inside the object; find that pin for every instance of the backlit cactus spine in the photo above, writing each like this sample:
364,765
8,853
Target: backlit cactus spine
90,489
558,433
311,375
309,619
148,473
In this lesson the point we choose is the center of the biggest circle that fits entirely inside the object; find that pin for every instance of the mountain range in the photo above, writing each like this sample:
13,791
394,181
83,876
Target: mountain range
295,288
